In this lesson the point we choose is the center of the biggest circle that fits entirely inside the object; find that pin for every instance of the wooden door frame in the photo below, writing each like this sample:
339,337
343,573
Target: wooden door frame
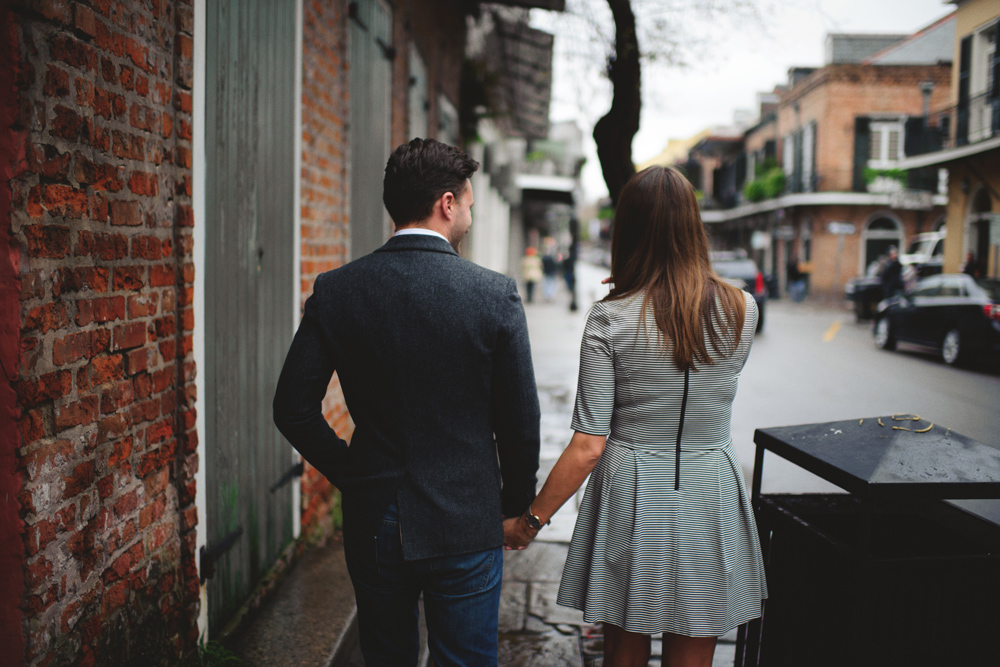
198,178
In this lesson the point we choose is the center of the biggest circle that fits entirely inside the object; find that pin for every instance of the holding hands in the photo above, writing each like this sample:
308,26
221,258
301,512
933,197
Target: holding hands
517,534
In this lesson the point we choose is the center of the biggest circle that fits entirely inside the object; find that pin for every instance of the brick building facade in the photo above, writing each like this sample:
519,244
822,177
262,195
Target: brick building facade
109,213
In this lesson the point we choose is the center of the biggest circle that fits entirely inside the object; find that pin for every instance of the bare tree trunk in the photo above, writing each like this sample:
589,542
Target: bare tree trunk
614,132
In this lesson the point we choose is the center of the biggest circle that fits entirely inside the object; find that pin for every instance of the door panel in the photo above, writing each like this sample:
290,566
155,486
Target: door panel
249,273
370,125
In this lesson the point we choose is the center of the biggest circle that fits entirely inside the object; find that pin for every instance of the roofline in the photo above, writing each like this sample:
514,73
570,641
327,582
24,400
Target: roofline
903,42
808,199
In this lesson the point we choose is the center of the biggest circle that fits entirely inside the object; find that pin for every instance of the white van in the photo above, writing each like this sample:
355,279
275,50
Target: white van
925,254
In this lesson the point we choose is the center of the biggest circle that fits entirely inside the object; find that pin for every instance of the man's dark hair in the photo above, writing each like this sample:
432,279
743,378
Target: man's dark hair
418,173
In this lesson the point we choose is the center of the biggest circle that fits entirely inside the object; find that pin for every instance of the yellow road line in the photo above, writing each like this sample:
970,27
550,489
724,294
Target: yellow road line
831,332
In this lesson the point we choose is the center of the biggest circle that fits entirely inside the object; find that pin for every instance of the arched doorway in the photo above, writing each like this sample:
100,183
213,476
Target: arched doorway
881,232
977,227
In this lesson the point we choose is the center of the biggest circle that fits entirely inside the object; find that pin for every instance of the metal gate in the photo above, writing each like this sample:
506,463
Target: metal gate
249,230
371,121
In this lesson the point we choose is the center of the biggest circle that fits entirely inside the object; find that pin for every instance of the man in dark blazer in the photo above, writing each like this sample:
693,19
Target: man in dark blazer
433,357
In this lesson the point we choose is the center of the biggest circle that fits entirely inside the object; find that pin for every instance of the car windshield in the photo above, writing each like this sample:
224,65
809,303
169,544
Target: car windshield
921,247
991,286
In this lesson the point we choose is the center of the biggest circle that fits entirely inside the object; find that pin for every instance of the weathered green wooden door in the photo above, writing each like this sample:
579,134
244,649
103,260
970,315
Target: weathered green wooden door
249,228
370,123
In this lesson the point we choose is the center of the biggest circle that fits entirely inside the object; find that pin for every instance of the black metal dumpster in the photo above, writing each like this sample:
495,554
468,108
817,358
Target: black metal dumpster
889,573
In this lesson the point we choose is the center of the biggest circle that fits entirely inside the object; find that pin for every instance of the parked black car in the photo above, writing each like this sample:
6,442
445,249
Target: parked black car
952,312
738,269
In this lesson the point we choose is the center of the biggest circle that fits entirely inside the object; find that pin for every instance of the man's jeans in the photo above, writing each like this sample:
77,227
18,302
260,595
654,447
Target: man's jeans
461,602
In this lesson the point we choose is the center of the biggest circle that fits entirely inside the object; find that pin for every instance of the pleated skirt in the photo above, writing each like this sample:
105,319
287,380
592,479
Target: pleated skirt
650,559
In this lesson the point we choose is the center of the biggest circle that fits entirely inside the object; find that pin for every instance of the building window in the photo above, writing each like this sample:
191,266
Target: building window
885,144
881,233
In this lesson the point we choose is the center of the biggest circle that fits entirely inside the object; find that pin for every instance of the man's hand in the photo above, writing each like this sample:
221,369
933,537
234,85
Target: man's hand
517,534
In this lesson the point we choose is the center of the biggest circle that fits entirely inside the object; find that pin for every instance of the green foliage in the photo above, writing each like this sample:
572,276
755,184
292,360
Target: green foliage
535,156
214,654
606,213
895,174
768,184
764,166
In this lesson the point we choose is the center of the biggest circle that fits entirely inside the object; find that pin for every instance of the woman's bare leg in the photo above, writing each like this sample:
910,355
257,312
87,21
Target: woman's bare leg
681,651
623,648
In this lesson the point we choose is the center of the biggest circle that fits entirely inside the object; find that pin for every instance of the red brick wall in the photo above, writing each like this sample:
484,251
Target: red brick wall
325,110
101,217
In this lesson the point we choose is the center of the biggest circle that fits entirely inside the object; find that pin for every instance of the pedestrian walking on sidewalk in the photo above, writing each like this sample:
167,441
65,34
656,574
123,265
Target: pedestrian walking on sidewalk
531,271
665,540
432,354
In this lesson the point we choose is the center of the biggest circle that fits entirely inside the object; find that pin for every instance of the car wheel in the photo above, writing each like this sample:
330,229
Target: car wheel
951,347
885,338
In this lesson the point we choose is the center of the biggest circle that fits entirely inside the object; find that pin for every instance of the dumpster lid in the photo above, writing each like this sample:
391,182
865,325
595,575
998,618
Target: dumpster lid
866,458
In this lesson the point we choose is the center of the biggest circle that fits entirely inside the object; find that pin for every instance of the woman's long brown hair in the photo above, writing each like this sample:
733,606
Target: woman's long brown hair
659,245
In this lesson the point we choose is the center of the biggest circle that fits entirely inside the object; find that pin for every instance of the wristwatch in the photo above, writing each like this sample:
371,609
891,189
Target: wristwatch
533,521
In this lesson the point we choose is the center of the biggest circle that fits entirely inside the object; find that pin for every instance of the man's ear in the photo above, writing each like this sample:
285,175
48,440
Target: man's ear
447,203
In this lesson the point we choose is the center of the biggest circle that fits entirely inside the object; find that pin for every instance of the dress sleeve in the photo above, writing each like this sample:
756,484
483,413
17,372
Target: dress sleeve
595,389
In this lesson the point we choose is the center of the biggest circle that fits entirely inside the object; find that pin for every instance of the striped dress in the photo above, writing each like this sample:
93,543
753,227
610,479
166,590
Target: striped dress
645,557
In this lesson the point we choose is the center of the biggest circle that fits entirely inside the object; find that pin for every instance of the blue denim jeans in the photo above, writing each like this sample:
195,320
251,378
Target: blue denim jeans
461,602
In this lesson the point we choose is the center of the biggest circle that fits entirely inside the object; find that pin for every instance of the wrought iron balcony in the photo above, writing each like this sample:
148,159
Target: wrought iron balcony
969,122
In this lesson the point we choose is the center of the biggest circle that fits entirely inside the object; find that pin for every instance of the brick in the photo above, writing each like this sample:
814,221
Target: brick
114,598
51,456
75,53
162,275
109,40
51,241
101,309
142,305
143,118
56,82
108,70
111,427
101,176
184,216
156,458
139,360
65,201
46,317
125,213
84,92
101,245
33,207
187,319
106,368
143,183
99,208
127,75
159,431
79,279
166,125
182,157
127,146
84,344
128,278
145,411
189,519
182,101
185,132
148,247
116,397
142,86
163,327
126,504
84,20
155,484
48,162
68,124
129,336
120,451
142,384
139,54
46,388
54,10
81,413
80,479
31,426
106,486
164,379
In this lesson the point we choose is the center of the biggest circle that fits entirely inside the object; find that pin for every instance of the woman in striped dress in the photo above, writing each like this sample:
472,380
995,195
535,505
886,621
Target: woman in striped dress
665,541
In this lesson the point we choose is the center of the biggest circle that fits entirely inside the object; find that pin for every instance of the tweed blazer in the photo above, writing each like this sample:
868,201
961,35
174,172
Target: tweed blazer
433,358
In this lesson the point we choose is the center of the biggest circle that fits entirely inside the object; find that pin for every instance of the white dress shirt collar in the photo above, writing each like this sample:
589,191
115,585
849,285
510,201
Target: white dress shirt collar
420,230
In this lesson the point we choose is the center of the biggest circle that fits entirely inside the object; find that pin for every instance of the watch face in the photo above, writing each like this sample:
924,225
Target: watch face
533,521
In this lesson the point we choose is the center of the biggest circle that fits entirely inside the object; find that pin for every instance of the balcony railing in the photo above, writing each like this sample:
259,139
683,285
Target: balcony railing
966,123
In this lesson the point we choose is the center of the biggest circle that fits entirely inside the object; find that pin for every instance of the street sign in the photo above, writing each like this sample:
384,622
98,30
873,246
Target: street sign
914,200
785,233
841,228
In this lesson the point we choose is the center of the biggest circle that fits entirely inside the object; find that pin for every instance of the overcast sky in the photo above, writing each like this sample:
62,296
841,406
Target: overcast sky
736,62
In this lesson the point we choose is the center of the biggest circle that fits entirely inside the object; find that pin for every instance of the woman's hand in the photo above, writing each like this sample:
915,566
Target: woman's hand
517,534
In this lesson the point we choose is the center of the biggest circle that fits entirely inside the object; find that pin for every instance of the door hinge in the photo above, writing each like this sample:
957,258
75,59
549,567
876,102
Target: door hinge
208,556
293,472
